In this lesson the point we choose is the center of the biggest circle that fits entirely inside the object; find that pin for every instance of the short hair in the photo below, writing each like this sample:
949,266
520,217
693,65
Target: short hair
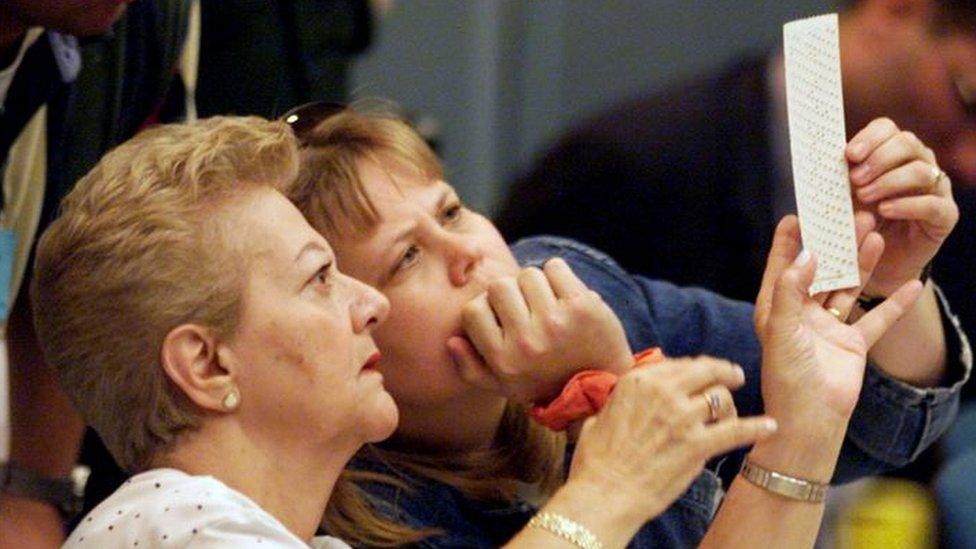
138,249
329,189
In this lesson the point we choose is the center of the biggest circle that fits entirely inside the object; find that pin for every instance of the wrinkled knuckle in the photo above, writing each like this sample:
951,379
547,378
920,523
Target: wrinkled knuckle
529,347
887,123
556,325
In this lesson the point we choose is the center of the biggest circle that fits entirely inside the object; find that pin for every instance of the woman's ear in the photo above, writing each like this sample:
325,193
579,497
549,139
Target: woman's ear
190,359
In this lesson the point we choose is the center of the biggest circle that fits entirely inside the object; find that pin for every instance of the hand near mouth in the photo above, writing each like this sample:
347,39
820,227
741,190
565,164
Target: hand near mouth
527,335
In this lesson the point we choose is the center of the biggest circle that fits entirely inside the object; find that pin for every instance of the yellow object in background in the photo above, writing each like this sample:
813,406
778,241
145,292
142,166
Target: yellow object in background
889,513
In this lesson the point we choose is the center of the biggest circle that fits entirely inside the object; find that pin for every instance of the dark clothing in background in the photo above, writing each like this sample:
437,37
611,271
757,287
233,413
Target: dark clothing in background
264,57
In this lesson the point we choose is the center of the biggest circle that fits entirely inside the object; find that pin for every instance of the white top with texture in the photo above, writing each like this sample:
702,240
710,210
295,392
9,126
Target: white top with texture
169,508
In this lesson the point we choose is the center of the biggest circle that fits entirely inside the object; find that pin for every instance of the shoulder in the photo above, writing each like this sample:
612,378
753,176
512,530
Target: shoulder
168,506
534,251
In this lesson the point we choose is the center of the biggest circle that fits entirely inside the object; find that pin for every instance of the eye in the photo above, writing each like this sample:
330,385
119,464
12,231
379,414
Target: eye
323,275
410,256
452,212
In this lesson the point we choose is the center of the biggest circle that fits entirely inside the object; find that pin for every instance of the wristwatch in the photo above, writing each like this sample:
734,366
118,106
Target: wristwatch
59,492
866,303
784,485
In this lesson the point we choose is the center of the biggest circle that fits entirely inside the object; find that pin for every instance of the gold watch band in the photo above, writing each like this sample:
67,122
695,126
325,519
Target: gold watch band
784,485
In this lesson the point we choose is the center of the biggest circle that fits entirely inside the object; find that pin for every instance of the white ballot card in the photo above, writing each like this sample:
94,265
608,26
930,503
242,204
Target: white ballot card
815,107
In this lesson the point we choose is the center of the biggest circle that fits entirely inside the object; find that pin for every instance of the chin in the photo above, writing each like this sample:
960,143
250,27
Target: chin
383,419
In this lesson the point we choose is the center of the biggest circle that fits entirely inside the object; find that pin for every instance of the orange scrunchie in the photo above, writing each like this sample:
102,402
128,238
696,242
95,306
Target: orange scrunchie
585,394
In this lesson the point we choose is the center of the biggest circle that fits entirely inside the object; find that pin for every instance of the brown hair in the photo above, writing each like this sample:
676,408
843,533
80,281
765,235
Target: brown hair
137,251
331,195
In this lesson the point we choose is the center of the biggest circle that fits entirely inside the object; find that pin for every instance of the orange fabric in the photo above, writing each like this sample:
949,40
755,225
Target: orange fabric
585,394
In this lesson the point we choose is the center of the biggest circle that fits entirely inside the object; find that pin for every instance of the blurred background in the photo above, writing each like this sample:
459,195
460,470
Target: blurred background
503,78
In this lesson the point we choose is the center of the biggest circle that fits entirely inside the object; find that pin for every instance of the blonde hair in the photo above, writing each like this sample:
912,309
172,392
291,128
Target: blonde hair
332,196
138,250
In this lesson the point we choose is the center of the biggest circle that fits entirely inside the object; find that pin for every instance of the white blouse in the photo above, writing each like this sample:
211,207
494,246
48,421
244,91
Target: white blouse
169,508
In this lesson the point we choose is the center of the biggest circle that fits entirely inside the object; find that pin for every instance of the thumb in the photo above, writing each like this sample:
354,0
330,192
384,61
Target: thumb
791,292
470,365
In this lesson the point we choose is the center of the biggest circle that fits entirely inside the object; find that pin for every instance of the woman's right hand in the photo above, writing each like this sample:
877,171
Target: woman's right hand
643,450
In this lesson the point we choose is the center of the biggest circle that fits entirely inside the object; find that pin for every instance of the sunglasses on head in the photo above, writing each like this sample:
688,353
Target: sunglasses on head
305,118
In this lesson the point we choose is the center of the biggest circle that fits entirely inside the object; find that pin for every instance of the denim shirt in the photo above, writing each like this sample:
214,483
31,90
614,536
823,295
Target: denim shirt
893,422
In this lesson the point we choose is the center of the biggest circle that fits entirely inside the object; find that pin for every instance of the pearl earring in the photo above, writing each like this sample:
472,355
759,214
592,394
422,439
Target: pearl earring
232,400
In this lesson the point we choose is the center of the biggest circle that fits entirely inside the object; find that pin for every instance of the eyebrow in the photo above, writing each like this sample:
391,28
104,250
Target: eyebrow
407,231
309,247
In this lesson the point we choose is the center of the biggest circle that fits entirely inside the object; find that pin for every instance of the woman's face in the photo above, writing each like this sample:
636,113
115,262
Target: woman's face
429,255
302,354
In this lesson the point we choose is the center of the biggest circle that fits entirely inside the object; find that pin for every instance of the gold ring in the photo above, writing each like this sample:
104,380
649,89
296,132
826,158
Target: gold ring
714,406
834,311
937,175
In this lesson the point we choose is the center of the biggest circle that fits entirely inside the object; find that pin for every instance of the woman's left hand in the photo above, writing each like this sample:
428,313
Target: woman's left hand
895,176
813,363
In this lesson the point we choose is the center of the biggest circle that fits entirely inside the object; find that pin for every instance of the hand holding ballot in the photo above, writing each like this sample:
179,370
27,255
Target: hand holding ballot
897,178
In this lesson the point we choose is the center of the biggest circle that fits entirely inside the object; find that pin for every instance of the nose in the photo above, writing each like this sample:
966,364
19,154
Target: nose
464,255
369,309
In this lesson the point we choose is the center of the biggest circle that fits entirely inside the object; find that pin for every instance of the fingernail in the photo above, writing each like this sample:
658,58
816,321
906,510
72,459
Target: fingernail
866,194
770,425
856,149
803,258
739,372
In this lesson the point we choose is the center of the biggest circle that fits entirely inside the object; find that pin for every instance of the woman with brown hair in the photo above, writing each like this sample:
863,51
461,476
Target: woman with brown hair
473,342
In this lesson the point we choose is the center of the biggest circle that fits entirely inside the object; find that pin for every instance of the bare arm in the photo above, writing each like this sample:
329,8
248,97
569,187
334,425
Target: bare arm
45,433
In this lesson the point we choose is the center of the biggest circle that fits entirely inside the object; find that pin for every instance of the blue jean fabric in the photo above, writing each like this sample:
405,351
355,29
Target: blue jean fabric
893,422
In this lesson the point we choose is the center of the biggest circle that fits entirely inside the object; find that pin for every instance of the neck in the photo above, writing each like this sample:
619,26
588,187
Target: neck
12,31
295,494
468,422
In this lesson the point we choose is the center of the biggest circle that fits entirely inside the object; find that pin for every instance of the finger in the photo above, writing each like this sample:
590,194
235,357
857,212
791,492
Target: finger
713,404
470,365
864,223
564,282
868,139
915,178
868,256
536,290
791,291
478,322
786,245
935,211
874,324
726,435
506,300
692,375
898,150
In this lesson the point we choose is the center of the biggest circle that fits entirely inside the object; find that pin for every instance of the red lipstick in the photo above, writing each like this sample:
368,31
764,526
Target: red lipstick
372,361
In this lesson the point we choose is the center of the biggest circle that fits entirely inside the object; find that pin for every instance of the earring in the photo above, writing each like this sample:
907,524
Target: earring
232,399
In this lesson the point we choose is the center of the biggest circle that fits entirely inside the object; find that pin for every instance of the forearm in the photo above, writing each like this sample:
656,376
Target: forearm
914,349
45,434
611,522
752,516
45,429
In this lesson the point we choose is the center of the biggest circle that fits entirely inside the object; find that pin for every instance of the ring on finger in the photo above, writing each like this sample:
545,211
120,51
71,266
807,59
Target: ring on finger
714,406
937,175
834,311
